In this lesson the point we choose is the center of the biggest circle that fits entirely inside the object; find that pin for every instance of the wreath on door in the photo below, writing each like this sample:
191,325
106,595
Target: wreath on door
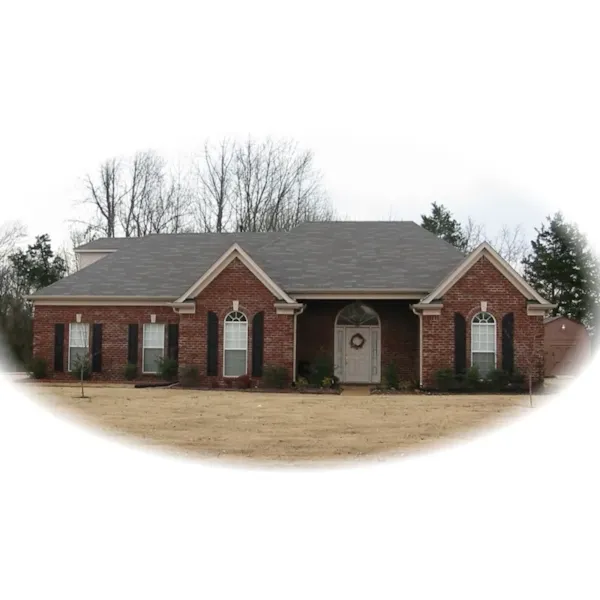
357,341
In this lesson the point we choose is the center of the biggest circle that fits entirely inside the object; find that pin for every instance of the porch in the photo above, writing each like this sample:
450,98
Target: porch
359,338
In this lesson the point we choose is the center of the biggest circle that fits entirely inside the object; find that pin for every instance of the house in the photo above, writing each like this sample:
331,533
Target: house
567,346
362,294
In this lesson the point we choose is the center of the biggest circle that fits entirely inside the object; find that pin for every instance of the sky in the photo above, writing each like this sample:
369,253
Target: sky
491,111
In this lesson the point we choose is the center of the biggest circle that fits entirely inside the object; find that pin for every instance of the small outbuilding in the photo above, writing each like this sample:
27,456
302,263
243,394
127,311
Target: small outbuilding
567,346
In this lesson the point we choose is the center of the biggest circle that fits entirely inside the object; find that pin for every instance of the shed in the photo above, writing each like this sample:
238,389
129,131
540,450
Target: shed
567,346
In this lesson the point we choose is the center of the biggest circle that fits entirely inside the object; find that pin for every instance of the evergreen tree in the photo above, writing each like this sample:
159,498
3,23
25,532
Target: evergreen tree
441,223
38,267
562,268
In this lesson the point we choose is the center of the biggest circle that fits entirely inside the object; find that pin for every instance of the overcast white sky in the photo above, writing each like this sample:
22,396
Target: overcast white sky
492,111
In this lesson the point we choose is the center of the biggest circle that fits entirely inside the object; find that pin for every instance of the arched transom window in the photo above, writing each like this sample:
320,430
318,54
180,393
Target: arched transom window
483,342
235,345
357,314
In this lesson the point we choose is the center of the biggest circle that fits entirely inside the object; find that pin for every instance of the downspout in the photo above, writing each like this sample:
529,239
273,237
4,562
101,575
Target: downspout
296,313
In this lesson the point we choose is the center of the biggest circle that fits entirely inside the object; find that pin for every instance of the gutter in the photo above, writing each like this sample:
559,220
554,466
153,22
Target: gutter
299,312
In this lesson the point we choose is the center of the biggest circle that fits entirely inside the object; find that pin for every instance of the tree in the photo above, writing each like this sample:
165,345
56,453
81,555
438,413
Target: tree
441,223
37,267
268,185
562,268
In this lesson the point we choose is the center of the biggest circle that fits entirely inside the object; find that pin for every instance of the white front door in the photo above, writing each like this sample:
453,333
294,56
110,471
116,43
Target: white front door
357,367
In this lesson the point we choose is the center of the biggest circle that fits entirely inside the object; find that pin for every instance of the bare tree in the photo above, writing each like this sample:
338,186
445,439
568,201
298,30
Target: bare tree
214,175
512,245
474,234
10,234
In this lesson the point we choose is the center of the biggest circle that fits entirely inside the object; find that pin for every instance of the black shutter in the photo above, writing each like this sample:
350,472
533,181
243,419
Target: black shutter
258,344
508,345
59,347
132,344
173,341
97,348
212,344
460,343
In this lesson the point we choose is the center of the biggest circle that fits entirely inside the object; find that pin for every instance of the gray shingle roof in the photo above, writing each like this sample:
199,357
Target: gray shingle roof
329,256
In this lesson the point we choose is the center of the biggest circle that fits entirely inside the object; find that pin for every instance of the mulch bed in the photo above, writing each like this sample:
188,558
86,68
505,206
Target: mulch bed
260,390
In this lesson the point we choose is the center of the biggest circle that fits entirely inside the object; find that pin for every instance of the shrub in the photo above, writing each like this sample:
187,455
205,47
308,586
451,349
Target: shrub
38,367
517,378
130,371
81,365
473,378
228,382
497,379
167,368
327,382
390,376
275,376
444,379
301,383
189,376
243,382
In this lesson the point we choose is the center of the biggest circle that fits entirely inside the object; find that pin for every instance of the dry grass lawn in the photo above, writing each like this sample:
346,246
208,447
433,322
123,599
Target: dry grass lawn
287,427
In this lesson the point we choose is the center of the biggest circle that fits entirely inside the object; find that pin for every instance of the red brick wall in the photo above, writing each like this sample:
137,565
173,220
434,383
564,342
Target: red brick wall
483,282
115,321
399,333
236,282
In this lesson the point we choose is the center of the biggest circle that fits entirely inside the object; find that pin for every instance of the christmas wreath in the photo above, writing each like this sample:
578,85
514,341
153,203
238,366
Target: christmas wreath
357,341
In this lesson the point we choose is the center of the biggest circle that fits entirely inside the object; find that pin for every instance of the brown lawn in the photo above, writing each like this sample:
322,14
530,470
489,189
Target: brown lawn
287,427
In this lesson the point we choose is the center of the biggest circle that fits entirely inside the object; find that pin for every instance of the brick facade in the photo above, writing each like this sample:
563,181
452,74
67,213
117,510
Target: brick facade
483,282
315,326
235,282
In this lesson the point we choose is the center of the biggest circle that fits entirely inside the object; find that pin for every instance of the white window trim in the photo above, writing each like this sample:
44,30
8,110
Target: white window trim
247,343
495,337
87,326
162,325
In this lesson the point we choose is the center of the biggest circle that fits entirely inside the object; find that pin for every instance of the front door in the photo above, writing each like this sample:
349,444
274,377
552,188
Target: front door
357,350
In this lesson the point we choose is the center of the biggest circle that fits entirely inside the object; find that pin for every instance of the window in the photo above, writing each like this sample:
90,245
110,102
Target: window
79,340
357,314
235,345
483,343
153,346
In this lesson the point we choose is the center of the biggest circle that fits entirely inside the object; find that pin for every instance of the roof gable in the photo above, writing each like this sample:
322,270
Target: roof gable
233,252
499,263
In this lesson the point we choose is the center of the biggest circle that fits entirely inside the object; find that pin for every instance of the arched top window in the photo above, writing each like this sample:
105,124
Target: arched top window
236,317
357,314
235,345
483,343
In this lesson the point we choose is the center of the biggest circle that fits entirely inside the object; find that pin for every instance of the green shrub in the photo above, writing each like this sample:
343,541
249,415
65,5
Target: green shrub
274,377
168,368
327,382
517,378
301,383
444,379
189,376
497,379
390,376
81,365
38,367
130,371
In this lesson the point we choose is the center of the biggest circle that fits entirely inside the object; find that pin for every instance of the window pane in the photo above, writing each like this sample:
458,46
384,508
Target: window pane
484,361
236,336
75,354
78,336
151,357
235,363
154,335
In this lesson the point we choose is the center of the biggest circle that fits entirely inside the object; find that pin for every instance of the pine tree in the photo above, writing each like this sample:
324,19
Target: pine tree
562,268
442,224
